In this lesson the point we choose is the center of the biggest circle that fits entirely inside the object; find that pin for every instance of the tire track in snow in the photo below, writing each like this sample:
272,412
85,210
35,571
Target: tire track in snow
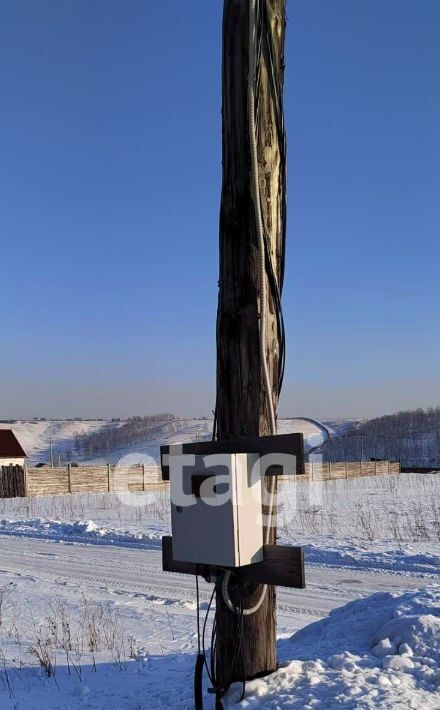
137,573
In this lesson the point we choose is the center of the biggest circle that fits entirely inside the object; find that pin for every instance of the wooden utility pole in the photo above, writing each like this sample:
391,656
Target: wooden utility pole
241,408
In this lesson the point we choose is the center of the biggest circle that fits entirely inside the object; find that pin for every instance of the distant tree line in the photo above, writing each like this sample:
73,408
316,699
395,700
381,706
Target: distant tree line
116,435
411,437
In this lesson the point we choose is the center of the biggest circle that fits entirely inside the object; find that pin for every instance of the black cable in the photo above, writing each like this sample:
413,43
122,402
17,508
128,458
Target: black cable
203,638
279,314
276,82
238,655
200,660
198,684
198,613
275,286
219,692
241,634
213,653
265,47
214,424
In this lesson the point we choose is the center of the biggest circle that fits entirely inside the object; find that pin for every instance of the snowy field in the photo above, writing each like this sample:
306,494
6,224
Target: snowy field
90,622
35,435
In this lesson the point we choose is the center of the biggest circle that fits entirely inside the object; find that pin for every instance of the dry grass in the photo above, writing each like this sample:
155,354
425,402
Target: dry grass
403,508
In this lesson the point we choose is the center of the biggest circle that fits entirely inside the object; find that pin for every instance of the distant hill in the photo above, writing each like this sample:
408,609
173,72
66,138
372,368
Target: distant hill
101,441
35,436
412,437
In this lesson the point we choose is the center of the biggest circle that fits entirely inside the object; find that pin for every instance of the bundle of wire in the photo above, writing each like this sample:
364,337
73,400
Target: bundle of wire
237,659
261,45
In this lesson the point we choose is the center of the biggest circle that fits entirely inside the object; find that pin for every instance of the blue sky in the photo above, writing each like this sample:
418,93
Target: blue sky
110,178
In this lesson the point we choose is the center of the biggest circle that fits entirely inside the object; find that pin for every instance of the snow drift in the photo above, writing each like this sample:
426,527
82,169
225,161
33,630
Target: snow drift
382,651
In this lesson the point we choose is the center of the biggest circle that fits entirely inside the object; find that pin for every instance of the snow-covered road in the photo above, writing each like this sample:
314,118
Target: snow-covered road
124,571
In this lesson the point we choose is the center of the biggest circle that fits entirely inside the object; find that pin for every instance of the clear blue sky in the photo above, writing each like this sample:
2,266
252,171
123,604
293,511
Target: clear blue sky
109,196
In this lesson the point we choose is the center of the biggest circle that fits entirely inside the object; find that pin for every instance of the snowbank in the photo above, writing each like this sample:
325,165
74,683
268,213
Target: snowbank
382,651
83,532
379,555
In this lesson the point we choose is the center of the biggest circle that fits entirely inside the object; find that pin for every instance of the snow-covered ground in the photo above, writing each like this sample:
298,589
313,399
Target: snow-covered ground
90,621
378,652
35,436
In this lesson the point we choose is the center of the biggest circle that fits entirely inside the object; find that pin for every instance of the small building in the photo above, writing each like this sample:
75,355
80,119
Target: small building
11,452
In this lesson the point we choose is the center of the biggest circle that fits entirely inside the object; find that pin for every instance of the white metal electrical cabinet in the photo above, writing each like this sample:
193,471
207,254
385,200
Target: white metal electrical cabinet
216,510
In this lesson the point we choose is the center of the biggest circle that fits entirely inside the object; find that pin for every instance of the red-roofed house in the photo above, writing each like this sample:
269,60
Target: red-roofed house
11,452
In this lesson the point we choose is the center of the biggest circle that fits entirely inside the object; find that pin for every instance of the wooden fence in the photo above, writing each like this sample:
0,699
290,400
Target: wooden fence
46,481
92,479
12,482
327,471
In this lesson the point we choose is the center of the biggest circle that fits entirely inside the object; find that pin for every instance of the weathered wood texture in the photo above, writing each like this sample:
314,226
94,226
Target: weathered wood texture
241,407
350,469
88,479
244,411
12,482
282,565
